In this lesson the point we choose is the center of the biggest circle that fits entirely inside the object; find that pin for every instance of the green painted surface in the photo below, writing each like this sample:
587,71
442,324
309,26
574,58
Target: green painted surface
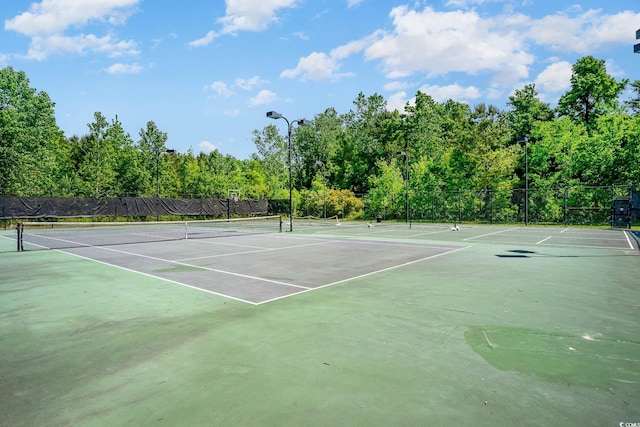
86,344
586,361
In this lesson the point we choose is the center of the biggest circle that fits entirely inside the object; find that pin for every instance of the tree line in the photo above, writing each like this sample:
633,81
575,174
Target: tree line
386,160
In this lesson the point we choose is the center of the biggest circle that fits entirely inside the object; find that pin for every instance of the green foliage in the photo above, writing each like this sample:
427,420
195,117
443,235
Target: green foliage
464,162
593,92
29,138
344,204
385,196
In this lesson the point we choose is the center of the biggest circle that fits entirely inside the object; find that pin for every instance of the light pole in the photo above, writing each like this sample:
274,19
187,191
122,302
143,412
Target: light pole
159,151
301,122
526,179
406,184
324,187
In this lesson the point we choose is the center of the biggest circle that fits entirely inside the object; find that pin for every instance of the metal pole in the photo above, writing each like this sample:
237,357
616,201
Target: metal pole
290,180
157,174
406,190
301,122
526,181
157,184
324,187
324,190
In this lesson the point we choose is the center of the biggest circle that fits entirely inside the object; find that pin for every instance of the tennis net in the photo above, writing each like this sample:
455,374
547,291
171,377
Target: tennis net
314,220
64,235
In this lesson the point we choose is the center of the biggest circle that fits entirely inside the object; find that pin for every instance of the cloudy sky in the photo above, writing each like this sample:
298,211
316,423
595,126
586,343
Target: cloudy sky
206,72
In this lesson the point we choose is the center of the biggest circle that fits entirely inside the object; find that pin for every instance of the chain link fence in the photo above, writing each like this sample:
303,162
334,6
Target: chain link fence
572,205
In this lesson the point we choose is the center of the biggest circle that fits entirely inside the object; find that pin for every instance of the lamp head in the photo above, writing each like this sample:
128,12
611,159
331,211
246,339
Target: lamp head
304,122
274,115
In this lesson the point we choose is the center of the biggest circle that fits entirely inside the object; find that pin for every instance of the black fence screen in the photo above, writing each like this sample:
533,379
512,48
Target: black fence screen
12,207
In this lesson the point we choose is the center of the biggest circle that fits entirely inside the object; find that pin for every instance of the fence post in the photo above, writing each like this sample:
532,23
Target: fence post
491,207
566,198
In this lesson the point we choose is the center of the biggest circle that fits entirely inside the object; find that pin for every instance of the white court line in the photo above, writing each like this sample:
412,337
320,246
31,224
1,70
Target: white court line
511,242
209,241
628,240
543,240
367,274
204,268
259,251
489,234
430,232
564,230
157,277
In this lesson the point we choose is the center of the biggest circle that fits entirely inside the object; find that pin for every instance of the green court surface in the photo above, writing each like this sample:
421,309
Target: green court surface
348,324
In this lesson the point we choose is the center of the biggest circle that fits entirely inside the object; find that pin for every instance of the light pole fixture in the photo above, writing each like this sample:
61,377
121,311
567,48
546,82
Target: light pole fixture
526,178
324,186
406,185
300,122
636,47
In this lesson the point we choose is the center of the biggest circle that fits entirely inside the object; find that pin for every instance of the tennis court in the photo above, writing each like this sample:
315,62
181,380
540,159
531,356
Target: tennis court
597,238
250,261
337,323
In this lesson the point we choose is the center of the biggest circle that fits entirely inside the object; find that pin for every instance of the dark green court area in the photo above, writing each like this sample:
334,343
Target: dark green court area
331,325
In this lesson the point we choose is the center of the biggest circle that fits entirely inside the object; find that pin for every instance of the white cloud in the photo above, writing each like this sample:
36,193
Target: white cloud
243,15
203,41
432,43
555,78
316,66
54,16
454,91
120,68
442,42
397,101
353,3
396,85
248,84
246,15
301,35
221,89
42,47
207,147
263,97
459,93
469,3
585,32
47,21
353,47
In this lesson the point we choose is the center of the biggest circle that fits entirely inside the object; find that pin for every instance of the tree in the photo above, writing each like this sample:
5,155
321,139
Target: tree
362,143
385,196
593,92
634,103
151,145
526,110
272,153
96,157
132,177
30,139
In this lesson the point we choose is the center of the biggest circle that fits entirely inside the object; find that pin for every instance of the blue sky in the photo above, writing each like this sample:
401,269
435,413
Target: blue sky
206,72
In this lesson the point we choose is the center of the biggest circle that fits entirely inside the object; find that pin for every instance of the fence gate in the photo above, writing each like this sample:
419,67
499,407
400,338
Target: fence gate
621,213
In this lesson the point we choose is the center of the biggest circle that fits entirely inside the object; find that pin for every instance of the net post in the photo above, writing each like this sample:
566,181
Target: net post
280,218
19,247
